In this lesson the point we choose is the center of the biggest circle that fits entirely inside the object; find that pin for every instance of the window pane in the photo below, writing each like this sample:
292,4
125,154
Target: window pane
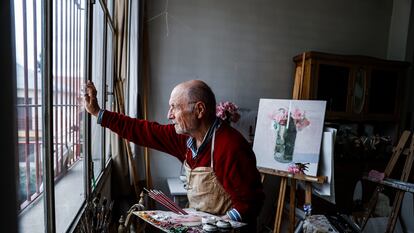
29,117
110,87
68,37
97,77
67,112
110,5
132,107
133,75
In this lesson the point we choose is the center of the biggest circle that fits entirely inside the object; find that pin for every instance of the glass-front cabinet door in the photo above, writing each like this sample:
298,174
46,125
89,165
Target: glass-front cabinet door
359,90
332,86
383,93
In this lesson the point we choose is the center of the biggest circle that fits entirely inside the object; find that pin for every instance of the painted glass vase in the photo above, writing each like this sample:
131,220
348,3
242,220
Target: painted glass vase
285,142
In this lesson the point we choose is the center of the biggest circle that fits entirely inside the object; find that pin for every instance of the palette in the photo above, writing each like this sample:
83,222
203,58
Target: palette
169,221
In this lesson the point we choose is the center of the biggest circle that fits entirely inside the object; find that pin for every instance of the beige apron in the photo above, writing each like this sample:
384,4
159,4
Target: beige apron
204,191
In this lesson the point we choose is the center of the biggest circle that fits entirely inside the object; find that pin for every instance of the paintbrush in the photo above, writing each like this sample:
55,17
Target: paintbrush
164,197
165,201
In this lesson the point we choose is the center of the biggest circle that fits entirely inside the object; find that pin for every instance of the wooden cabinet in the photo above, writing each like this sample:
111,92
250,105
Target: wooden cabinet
356,88
365,96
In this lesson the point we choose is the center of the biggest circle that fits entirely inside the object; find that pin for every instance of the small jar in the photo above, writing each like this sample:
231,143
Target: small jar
208,219
210,228
223,226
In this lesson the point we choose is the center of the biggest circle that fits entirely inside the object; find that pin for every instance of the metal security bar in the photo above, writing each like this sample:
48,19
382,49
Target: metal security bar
67,110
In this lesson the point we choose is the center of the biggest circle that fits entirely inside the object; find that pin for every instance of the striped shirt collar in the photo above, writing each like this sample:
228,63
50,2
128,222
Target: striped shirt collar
191,142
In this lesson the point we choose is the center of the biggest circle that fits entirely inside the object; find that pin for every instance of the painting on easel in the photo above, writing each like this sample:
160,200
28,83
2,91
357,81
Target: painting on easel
289,132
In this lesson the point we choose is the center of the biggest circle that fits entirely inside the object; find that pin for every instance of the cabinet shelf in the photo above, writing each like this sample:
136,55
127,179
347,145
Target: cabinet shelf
356,88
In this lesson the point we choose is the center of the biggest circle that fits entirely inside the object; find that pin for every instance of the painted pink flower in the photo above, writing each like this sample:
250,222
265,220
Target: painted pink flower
297,116
281,116
302,124
293,169
298,168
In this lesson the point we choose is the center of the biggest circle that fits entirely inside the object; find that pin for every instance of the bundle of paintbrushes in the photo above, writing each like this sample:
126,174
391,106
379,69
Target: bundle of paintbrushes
161,198
97,216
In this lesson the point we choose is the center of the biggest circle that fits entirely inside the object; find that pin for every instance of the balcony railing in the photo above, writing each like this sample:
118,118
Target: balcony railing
68,59
67,144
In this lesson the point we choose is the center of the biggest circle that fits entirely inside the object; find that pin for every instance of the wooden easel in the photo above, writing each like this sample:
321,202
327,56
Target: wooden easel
284,177
392,183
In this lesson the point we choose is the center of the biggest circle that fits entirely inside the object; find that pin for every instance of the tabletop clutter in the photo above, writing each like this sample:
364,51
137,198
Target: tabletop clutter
178,220
192,222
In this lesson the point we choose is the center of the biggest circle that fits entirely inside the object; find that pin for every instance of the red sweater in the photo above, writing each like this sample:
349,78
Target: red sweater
234,160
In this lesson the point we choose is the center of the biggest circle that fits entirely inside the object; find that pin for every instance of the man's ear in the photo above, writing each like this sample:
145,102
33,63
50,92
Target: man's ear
200,109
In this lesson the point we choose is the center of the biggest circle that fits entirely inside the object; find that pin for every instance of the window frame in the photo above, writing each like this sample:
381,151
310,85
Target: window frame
107,21
47,70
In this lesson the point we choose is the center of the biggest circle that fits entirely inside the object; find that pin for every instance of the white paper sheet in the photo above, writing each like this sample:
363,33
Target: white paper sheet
326,166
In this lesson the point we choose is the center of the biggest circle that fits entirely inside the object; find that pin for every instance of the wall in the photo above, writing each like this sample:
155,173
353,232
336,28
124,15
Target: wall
410,84
397,43
243,49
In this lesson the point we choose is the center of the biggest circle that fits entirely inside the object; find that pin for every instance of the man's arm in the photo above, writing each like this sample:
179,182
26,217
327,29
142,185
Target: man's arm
146,133
245,188
240,178
141,132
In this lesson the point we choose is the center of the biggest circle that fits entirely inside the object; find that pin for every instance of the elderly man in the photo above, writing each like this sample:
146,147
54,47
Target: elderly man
221,166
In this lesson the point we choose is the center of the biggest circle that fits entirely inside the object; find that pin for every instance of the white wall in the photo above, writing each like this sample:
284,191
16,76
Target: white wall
397,43
243,48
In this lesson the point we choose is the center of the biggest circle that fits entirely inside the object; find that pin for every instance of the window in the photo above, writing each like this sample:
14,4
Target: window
68,120
68,116
103,76
67,112
29,109
133,60
110,76
98,80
